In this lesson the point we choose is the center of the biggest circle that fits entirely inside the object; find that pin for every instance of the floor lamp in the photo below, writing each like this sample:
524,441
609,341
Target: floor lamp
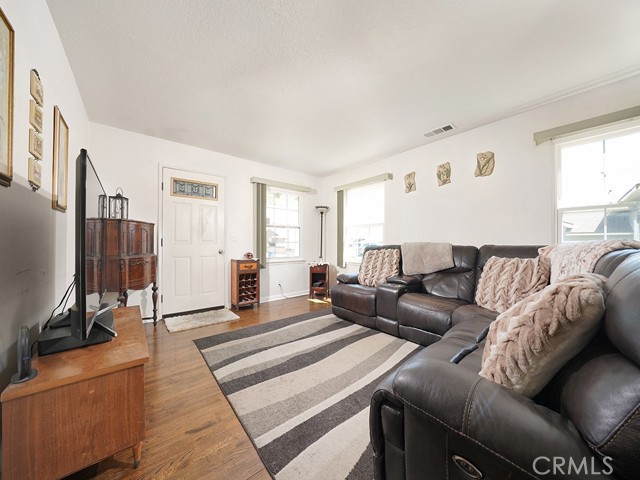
321,209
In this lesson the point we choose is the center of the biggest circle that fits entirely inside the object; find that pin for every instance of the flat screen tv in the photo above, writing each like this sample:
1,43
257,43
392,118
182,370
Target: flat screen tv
88,321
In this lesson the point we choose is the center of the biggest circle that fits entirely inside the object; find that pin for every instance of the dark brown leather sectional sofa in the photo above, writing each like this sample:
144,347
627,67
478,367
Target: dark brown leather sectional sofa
436,418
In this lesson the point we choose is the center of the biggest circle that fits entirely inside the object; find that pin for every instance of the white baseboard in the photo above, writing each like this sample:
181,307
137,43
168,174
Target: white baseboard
272,298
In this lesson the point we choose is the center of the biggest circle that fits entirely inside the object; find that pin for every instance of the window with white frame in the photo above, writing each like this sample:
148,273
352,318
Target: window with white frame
598,182
363,219
284,209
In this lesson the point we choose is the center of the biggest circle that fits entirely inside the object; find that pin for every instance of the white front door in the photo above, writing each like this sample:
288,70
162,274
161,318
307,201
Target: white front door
192,241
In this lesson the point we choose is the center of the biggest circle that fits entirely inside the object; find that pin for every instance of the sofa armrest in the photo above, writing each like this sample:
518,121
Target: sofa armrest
493,424
347,278
387,296
406,280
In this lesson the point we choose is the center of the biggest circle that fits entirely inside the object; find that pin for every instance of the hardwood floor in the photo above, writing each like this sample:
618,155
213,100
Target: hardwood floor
191,431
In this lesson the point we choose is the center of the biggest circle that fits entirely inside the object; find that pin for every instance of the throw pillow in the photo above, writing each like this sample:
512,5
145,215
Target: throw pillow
377,265
530,342
506,281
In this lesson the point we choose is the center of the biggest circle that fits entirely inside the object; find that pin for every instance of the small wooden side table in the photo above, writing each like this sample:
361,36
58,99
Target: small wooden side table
319,280
245,283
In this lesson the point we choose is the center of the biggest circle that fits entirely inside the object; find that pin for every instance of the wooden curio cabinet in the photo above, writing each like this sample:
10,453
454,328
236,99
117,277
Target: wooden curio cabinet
120,253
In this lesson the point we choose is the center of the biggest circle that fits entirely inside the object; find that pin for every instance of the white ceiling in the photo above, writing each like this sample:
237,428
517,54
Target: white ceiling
319,86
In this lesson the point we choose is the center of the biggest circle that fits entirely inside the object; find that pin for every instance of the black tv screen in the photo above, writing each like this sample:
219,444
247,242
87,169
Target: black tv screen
90,282
88,321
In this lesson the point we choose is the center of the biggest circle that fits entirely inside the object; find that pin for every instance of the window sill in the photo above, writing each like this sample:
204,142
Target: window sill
286,261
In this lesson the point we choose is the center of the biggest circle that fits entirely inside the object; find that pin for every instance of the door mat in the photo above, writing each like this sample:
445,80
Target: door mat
196,320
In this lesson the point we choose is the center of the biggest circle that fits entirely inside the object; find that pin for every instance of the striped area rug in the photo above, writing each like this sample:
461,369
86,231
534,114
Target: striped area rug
301,388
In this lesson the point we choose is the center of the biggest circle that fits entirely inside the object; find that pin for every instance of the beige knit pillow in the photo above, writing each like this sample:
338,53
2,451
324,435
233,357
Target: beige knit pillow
377,265
530,342
506,281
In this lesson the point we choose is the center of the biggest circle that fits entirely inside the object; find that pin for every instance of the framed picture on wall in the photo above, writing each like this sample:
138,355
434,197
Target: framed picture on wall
60,160
35,144
35,174
37,91
6,100
35,115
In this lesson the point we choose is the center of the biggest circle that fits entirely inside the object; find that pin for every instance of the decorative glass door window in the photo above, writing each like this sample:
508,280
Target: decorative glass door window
181,187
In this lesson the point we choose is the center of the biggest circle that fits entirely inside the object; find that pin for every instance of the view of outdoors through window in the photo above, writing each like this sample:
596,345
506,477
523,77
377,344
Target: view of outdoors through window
283,223
598,196
363,219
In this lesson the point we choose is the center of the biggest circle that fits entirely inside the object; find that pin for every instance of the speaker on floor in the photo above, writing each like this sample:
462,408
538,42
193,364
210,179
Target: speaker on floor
25,372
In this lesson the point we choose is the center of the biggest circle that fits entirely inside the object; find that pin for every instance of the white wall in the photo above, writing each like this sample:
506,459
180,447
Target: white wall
35,267
515,205
132,161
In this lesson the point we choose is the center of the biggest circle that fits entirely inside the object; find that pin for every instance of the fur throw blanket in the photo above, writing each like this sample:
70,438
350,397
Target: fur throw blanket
426,257
573,258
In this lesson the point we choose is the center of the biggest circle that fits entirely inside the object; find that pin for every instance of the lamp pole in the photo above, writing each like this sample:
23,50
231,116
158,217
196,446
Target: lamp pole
321,209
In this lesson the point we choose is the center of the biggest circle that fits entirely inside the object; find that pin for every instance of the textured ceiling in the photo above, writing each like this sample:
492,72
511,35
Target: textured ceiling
319,86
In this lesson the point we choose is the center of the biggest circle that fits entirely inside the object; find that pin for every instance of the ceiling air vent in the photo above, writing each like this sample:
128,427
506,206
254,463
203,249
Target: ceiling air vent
437,131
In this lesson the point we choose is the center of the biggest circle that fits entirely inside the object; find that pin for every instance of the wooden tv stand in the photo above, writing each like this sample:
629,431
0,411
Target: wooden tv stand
84,406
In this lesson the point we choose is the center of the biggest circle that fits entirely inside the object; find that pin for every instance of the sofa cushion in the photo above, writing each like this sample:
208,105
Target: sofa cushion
601,397
347,277
469,312
609,262
456,282
427,312
357,298
530,342
622,318
506,281
377,265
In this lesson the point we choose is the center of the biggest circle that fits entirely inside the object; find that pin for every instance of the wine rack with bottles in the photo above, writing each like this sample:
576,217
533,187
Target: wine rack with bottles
245,283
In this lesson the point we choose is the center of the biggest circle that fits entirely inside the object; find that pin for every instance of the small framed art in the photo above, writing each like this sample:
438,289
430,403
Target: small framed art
36,88
35,115
35,144
60,160
35,174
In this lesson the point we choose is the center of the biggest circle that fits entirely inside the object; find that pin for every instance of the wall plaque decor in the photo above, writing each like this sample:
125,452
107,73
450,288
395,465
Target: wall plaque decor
37,91
485,163
35,174
444,174
35,115
410,182
6,100
60,161
35,144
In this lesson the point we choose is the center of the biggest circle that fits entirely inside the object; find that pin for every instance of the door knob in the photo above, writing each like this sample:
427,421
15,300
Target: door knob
221,251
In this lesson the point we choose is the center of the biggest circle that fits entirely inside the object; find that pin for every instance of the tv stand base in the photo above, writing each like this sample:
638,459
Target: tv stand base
84,406
54,339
